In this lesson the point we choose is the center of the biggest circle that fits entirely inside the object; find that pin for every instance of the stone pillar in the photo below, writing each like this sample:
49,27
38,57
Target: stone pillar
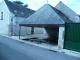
61,37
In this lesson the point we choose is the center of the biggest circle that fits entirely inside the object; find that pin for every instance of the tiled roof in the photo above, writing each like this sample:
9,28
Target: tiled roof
46,15
67,11
19,10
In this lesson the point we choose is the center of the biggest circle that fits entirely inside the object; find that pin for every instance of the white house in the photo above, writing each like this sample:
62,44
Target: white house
11,14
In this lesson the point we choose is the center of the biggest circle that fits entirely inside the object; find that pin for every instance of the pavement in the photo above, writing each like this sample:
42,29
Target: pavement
45,45
11,49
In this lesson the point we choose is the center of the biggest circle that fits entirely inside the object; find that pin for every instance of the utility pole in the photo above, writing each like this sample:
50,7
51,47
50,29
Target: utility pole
35,5
47,1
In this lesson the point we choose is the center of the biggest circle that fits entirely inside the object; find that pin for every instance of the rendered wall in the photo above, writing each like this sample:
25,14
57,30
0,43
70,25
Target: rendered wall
4,22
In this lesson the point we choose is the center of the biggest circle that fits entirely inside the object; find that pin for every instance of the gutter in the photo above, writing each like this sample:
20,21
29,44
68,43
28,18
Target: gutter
11,26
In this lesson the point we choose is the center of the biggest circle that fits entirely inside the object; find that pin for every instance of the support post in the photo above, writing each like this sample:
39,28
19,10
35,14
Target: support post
61,37
32,30
19,31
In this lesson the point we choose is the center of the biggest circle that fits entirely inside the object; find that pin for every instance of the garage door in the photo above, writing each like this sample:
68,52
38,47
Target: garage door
72,37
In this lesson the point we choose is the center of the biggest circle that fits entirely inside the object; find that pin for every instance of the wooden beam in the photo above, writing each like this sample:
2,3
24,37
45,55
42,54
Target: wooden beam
32,30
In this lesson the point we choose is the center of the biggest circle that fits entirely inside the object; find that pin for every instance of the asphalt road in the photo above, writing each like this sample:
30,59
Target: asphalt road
11,49
8,53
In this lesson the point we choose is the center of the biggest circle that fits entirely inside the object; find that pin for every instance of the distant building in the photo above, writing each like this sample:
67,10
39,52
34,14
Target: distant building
11,14
73,16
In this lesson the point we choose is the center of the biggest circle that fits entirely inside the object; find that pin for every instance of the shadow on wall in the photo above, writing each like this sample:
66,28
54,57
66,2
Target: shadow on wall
52,33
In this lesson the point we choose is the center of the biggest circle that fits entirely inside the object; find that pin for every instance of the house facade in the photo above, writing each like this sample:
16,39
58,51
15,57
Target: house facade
11,15
4,18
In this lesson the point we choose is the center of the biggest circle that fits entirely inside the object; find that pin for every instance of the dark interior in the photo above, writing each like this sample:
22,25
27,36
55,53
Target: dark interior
52,38
53,34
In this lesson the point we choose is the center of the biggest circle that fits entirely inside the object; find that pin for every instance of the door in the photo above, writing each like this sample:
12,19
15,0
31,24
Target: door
72,36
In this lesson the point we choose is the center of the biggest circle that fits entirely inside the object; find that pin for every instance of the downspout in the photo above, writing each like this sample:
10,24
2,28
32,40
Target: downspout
11,26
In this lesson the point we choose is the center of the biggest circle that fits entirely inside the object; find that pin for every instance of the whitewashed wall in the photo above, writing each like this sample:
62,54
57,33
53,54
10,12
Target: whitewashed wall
38,30
24,30
4,22
0,11
16,22
45,33
61,37
77,19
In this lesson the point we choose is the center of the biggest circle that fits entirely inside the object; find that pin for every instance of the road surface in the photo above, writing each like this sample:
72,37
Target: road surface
11,49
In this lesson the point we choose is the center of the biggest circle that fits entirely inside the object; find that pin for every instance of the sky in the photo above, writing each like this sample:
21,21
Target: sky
36,4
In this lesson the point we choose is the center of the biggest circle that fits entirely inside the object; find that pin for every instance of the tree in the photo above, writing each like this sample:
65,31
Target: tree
18,2
21,3
26,5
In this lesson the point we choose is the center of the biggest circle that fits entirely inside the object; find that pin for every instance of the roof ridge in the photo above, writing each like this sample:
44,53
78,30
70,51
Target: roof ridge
66,6
60,14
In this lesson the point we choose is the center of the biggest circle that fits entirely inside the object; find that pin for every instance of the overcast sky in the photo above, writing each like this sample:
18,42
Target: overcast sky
36,4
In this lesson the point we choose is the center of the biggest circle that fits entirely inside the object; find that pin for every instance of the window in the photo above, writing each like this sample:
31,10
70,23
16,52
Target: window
1,15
